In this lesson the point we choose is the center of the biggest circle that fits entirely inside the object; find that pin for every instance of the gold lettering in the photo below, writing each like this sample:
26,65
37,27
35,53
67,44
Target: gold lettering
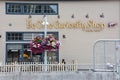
50,26
90,26
29,23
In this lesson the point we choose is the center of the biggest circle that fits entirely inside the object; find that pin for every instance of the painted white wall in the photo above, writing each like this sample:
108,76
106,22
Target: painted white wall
78,44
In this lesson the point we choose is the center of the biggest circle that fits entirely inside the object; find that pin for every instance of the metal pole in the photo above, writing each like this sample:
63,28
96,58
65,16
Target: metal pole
45,35
94,57
119,20
45,26
117,55
105,56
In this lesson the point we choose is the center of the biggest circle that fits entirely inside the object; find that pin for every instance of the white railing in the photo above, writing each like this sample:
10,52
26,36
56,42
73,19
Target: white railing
50,67
37,67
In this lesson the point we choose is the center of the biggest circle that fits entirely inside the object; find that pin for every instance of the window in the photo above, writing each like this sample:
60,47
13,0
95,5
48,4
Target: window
50,9
37,9
14,36
30,36
14,52
18,48
52,56
30,8
14,8
26,47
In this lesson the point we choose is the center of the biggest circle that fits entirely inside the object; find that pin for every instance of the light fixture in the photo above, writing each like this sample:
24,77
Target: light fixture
87,16
45,21
58,16
112,24
10,24
72,16
64,36
102,15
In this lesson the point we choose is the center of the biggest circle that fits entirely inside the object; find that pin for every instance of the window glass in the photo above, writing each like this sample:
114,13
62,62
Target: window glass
21,51
13,56
14,46
50,9
14,8
14,52
37,57
31,36
26,47
27,36
27,56
14,36
52,56
37,9
30,8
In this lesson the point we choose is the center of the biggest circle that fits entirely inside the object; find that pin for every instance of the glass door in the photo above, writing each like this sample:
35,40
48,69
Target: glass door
14,52
13,56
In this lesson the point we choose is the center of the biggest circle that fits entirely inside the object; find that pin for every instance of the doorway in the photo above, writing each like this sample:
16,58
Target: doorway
13,55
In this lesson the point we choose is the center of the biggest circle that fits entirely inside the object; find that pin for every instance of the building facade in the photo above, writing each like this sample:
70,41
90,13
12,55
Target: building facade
77,25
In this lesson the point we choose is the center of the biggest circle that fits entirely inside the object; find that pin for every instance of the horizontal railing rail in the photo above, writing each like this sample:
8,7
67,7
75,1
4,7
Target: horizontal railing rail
50,67
37,67
40,67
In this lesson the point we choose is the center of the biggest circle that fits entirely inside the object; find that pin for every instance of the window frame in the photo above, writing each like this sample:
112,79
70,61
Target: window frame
14,36
24,42
42,8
